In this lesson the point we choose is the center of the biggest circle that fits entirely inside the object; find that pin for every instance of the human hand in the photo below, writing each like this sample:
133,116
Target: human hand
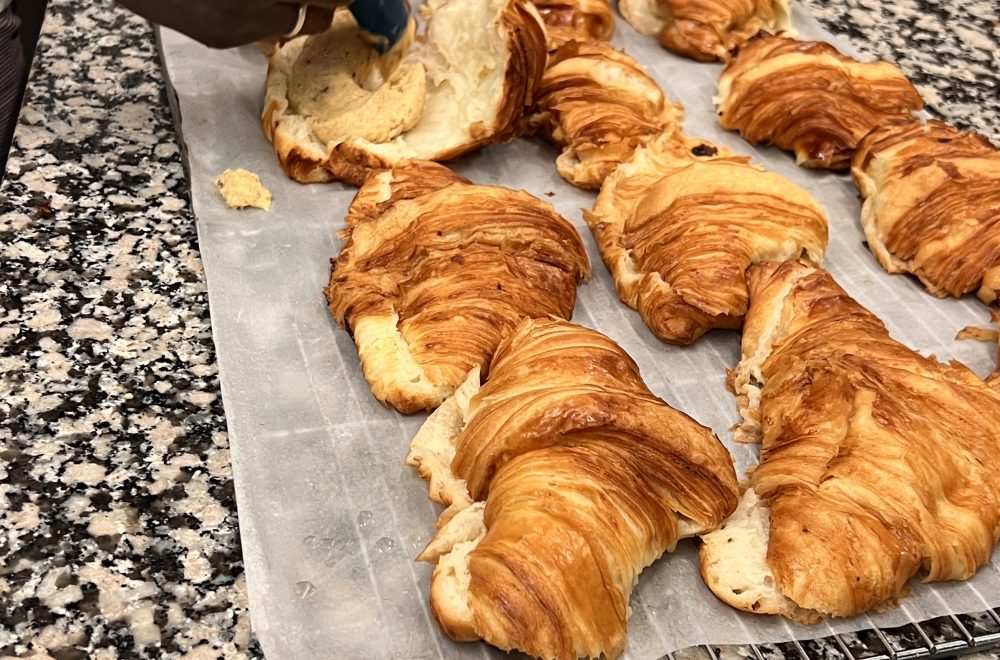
228,23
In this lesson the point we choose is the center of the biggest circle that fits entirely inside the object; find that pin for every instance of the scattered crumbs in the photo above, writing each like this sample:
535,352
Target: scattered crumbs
242,188
550,194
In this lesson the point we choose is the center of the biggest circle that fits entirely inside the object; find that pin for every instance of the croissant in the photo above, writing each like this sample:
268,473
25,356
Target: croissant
565,477
706,30
994,378
932,205
598,104
876,462
806,97
679,223
335,110
576,20
433,271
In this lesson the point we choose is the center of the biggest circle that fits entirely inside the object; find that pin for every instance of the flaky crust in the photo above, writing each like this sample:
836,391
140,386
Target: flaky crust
876,462
598,104
434,270
587,479
932,205
706,30
806,97
678,225
305,158
576,20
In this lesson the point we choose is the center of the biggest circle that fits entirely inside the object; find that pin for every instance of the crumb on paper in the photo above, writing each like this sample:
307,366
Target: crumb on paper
979,334
242,188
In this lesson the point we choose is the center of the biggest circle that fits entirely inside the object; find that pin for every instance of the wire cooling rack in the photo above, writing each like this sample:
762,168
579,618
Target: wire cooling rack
936,638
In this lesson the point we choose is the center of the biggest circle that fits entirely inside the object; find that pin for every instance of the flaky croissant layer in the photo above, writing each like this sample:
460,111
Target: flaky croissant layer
434,270
599,105
706,30
576,20
932,205
587,478
679,224
806,97
876,462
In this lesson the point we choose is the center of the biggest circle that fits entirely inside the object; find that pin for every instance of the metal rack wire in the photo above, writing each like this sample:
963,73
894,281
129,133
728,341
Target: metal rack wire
937,638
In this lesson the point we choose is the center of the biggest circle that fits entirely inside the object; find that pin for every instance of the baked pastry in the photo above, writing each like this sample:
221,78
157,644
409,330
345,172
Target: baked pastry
994,378
336,110
564,477
433,271
598,104
932,205
806,97
576,20
706,30
876,462
242,188
678,224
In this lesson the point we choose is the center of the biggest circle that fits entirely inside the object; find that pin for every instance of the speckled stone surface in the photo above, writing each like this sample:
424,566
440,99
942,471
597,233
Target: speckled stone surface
116,499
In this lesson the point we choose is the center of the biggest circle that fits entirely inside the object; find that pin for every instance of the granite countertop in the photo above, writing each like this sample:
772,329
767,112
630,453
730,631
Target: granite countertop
116,494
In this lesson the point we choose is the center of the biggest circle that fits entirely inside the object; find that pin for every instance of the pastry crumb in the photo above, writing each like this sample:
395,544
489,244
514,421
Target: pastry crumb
242,188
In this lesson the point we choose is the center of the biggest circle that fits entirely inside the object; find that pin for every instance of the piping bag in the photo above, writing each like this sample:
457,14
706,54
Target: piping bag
383,22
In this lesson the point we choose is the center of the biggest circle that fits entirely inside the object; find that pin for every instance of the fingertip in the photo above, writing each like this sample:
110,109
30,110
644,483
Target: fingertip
317,20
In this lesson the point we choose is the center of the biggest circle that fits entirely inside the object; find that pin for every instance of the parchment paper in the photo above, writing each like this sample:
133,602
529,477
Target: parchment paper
330,517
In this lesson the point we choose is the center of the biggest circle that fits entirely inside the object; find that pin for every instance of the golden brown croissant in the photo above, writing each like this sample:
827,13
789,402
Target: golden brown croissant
876,462
565,477
804,96
335,110
932,205
679,223
705,30
598,104
994,378
433,270
576,20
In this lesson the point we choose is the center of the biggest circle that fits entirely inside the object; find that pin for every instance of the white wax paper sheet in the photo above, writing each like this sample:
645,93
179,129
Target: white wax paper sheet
330,517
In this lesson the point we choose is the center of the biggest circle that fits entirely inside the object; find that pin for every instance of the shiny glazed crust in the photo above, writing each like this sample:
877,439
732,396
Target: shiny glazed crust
679,223
932,205
307,159
806,97
598,104
876,462
587,478
434,270
576,20
706,30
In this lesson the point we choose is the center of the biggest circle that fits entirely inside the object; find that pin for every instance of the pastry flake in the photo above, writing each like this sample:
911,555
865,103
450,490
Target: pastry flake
434,270
598,104
679,223
806,97
335,110
242,188
876,463
575,479
932,205
706,30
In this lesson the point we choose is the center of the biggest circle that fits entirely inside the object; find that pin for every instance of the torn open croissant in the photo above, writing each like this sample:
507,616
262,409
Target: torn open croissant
876,462
598,104
434,270
565,477
335,110
932,205
705,30
806,97
678,224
